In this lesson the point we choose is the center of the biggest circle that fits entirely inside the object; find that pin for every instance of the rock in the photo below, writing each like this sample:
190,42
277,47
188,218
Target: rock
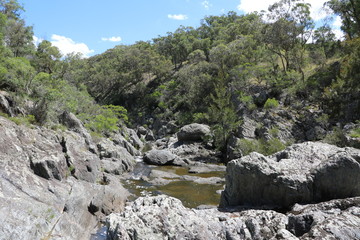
83,164
194,152
302,173
5,104
247,129
150,136
74,124
233,148
206,168
260,98
114,158
351,141
134,140
118,139
39,199
174,221
194,132
316,133
141,131
166,129
159,157
336,219
115,166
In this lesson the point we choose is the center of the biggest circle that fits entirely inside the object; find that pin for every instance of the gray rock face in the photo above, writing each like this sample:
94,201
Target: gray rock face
82,163
247,129
165,217
120,140
194,151
303,173
5,105
74,124
194,132
336,219
43,194
159,157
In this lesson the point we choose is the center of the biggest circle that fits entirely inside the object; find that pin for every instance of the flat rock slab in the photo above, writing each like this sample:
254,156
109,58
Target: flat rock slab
164,217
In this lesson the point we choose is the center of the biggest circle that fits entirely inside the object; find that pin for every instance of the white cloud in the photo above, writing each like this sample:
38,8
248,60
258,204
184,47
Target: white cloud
111,39
37,40
249,6
67,45
339,34
337,22
206,4
177,16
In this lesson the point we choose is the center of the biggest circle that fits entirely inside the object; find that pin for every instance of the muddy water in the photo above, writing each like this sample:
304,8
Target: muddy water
191,194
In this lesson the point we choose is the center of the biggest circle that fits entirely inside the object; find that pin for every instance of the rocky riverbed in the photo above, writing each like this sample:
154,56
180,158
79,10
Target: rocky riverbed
66,185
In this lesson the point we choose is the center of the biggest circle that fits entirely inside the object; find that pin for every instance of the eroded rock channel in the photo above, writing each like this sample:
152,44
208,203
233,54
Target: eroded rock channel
65,185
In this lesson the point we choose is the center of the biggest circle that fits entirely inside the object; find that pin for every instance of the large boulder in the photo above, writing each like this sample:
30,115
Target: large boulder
302,173
159,157
194,132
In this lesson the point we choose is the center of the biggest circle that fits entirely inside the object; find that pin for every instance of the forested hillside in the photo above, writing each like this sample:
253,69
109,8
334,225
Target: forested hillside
232,66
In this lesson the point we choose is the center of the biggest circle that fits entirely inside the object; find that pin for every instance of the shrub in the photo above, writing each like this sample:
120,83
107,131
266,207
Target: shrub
271,103
247,146
336,137
107,119
266,147
28,120
355,133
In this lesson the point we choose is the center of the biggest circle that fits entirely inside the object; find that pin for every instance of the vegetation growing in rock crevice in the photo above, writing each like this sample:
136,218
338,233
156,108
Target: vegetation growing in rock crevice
199,74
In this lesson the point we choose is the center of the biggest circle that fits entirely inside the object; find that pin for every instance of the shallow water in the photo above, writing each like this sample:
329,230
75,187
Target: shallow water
190,193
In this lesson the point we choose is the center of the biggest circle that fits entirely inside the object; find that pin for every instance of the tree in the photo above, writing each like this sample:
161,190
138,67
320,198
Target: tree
11,9
325,38
289,32
47,57
349,11
177,45
18,38
222,115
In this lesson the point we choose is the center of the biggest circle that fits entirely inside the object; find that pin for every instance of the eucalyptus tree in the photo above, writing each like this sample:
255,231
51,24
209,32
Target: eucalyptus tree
289,30
47,57
349,11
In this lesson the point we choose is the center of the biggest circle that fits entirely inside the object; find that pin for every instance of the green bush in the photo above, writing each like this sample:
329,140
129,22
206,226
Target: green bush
28,120
355,133
248,146
266,147
271,103
336,137
107,119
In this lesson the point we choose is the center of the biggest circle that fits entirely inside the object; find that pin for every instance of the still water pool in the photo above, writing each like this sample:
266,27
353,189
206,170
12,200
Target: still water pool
191,194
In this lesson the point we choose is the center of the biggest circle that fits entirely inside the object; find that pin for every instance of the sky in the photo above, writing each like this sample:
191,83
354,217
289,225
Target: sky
93,26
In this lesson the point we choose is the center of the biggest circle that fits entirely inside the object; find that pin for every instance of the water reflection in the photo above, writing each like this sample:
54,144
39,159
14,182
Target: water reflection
192,194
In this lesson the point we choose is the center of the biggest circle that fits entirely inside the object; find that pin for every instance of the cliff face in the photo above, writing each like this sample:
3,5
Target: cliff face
53,185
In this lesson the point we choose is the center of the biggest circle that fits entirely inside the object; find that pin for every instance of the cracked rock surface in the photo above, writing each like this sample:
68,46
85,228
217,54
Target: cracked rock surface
49,184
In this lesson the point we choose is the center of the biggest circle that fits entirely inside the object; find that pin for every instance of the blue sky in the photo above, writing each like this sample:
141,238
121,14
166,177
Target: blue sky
93,26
